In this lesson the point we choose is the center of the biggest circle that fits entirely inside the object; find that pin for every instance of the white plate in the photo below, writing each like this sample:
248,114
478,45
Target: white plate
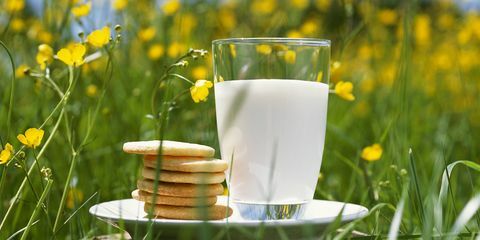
128,214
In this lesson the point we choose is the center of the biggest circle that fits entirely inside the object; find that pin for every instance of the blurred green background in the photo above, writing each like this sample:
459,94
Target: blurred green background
413,64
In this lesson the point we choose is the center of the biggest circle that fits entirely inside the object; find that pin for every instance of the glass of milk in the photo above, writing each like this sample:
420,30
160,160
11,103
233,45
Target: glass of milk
271,97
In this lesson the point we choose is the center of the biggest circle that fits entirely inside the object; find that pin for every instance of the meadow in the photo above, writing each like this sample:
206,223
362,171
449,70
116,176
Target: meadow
403,122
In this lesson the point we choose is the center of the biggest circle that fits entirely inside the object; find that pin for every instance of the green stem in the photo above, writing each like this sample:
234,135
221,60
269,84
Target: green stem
54,85
24,168
62,103
38,168
65,191
181,77
37,209
368,182
12,89
2,179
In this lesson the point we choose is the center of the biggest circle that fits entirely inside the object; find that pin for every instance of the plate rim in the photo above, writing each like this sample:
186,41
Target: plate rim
362,211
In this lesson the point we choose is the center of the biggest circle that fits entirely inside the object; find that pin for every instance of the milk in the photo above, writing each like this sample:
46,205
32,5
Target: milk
272,132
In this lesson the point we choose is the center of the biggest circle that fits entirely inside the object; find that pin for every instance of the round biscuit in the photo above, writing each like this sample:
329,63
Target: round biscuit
182,177
186,164
173,201
170,148
215,212
180,189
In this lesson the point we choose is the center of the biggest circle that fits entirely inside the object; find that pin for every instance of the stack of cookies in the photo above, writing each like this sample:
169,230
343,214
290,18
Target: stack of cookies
182,183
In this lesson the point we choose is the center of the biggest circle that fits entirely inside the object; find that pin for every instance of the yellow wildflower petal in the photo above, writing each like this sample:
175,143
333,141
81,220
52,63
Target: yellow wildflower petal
175,49
170,7
23,139
92,90
9,147
20,71
290,56
44,55
146,34
65,56
199,91
264,49
17,24
233,50
119,5
372,153
155,52
5,156
299,4
78,51
81,10
294,34
199,72
100,37
14,5
344,90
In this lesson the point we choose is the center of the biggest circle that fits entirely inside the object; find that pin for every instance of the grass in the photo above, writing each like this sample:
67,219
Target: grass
413,64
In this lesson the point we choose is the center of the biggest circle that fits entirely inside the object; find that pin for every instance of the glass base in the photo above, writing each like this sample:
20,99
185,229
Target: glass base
252,211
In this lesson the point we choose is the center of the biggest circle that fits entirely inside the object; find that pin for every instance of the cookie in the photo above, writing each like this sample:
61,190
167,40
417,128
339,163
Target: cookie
215,212
173,201
180,189
186,164
183,177
170,148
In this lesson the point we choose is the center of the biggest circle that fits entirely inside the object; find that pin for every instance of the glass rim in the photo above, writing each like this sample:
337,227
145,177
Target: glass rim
266,40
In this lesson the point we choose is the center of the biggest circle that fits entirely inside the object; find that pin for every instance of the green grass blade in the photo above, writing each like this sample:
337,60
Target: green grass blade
12,89
397,218
445,182
467,213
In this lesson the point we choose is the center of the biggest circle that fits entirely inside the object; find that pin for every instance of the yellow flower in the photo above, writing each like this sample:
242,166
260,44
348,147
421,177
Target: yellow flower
175,49
336,71
309,27
44,36
199,72
170,7
299,4
387,17
146,34
264,49
32,137
446,21
72,55
92,90
233,50
372,153
14,5
100,37
186,23
199,91
263,7
119,5
6,153
74,197
422,29
44,55
17,24
290,56
227,19
155,52
344,90
294,34
82,10
20,71
320,76
322,5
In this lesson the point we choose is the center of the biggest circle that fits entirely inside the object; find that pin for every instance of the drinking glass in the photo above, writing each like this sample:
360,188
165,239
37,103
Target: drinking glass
271,97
